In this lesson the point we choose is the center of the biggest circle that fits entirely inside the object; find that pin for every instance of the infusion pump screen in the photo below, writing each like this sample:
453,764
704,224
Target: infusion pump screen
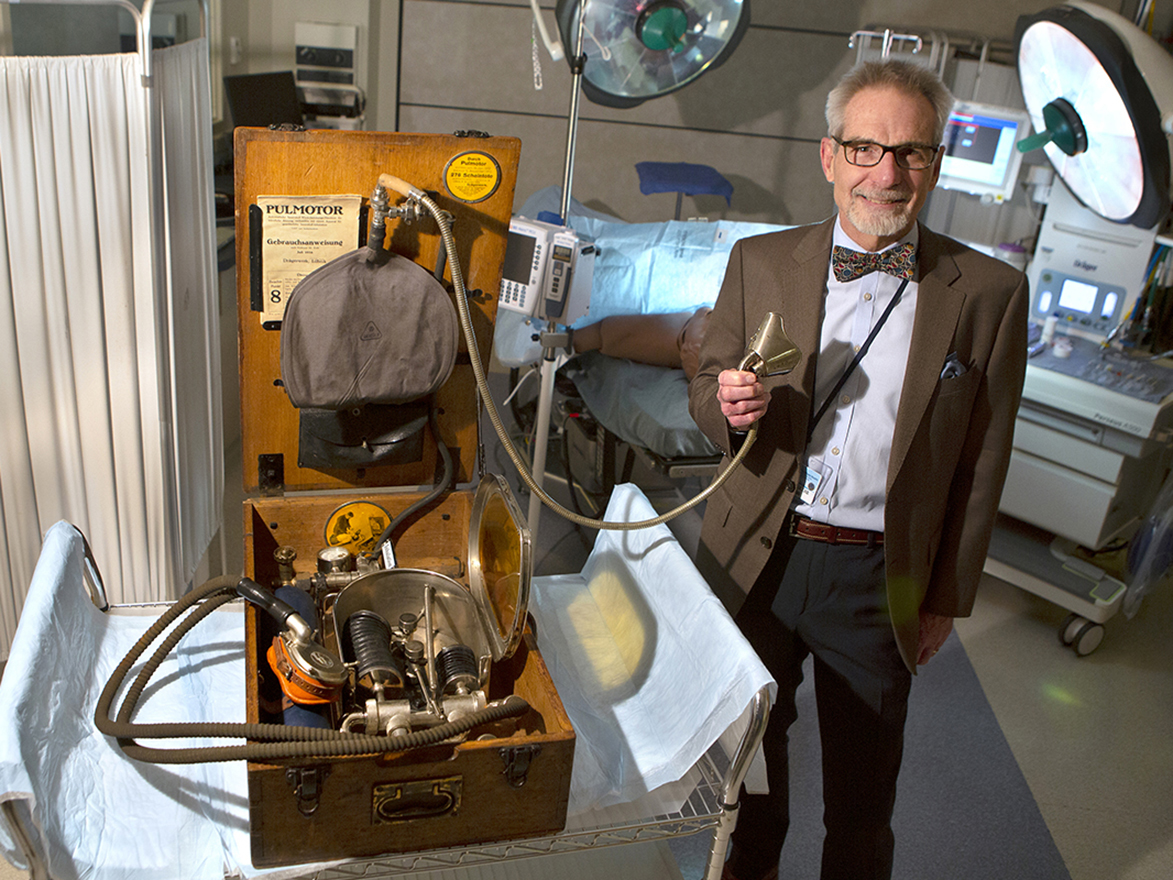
519,257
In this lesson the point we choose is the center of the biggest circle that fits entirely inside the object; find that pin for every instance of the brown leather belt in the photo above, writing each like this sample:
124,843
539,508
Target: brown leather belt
801,527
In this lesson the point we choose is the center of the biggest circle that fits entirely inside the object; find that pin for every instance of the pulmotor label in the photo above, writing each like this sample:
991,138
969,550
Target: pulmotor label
472,176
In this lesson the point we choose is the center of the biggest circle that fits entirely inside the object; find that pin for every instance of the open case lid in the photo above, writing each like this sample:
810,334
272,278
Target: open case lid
471,177
500,563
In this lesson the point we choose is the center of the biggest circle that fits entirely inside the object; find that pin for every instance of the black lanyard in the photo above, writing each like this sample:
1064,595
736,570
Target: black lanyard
863,349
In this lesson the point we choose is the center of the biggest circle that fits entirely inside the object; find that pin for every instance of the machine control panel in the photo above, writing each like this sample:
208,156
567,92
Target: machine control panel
1135,377
1130,395
1078,301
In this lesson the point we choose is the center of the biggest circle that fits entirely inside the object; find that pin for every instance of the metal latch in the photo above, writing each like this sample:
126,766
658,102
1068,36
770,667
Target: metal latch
307,783
517,760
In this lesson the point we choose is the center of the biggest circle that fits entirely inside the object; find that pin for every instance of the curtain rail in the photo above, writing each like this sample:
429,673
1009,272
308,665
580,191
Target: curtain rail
142,22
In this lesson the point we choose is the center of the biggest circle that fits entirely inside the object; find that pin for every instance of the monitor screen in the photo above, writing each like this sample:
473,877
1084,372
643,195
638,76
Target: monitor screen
263,99
980,154
1078,296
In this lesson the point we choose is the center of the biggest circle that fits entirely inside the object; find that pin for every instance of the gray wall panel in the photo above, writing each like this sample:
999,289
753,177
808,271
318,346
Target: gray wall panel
484,60
993,19
775,82
605,177
757,119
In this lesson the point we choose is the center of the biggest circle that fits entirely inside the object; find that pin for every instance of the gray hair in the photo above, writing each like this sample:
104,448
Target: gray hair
913,79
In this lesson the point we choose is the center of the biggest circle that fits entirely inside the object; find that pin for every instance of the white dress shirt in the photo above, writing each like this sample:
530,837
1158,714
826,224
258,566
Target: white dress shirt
847,458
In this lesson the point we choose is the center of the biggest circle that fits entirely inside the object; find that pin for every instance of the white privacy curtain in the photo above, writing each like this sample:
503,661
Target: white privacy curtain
109,371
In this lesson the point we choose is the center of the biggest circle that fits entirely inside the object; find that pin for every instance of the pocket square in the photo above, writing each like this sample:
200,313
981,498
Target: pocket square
953,367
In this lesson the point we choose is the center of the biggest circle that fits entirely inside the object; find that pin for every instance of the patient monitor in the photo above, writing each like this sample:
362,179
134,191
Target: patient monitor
980,157
548,271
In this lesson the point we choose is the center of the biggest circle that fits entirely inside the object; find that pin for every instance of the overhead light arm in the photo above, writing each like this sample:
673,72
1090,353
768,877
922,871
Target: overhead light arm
577,65
552,46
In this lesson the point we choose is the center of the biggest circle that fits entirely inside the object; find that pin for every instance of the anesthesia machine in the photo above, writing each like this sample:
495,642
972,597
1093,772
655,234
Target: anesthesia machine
1094,430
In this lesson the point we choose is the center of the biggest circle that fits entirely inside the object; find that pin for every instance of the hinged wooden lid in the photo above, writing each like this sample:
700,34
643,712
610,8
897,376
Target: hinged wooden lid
472,178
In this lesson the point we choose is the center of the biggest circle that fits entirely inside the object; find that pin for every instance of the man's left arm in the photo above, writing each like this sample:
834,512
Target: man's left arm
977,484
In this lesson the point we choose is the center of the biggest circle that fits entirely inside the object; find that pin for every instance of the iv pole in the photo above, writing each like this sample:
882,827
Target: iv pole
551,338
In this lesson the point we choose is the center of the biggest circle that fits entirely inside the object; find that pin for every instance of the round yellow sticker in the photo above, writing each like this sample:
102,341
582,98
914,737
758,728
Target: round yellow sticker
472,177
356,526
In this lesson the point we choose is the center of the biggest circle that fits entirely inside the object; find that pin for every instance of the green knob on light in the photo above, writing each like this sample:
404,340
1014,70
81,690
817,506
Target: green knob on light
1034,141
662,26
1064,127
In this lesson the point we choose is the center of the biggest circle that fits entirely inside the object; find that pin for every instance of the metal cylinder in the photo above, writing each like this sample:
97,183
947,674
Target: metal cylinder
284,557
369,642
457,669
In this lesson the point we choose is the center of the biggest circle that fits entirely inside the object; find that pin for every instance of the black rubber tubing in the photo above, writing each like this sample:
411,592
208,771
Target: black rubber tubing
270,741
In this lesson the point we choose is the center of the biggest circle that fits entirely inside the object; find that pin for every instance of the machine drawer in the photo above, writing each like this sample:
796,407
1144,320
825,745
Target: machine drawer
1079,455
1061,500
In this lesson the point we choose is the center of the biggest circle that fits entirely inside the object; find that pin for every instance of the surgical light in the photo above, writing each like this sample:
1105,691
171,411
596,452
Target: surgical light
638,49
1099,91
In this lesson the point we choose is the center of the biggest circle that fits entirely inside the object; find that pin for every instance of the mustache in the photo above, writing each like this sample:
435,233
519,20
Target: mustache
893,194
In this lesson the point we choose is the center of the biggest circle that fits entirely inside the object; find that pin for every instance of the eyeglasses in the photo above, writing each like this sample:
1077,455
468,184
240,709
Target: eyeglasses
867,154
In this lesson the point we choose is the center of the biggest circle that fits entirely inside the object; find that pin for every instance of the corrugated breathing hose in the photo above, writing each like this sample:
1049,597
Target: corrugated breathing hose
389,181
269,741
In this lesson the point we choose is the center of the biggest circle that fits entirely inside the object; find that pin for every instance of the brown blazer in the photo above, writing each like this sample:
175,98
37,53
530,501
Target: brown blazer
952,441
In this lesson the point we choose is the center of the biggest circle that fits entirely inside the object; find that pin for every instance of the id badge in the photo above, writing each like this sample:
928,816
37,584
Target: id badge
816,475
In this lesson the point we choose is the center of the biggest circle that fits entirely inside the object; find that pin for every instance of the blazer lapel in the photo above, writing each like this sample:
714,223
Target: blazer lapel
807,282
938,307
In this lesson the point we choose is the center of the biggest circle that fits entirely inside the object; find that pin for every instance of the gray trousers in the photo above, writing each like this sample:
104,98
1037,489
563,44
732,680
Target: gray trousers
828,601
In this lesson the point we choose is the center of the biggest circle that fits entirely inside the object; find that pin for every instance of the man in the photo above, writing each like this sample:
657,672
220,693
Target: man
860,520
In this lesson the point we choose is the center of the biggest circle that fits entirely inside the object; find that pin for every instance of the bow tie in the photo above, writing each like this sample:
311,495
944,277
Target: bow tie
849,265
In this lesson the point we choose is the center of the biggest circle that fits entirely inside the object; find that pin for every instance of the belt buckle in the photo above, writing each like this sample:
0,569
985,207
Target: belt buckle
792,524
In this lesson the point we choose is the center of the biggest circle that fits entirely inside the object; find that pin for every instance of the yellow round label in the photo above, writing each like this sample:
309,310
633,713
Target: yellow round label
472,177
356,526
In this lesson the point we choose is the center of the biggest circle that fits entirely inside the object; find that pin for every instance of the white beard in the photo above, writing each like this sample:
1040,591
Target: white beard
882,224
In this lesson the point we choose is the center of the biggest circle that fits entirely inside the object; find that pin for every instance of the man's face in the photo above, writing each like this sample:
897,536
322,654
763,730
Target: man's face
878,205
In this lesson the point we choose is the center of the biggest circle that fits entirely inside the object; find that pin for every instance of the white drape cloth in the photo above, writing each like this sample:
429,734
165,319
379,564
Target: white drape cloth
648,663
109,386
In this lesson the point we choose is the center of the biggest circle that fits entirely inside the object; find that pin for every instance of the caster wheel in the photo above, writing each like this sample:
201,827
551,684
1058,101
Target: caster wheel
1070,628
1088,638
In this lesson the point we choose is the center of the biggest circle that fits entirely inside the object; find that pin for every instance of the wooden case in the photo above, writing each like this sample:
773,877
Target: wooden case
506,782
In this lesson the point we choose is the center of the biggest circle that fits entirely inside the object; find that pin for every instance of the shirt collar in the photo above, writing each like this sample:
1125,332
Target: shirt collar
842,239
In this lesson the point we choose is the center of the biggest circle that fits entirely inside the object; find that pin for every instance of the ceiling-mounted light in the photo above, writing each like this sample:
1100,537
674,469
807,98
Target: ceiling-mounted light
1099,91
636,49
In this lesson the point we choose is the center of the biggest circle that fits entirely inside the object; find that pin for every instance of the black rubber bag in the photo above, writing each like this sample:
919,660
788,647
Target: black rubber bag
358,333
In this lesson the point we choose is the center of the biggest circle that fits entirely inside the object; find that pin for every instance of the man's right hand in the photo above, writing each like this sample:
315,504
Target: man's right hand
743,399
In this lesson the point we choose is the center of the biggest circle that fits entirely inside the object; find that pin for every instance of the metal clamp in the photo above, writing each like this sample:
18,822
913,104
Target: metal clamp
517,762
307,783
